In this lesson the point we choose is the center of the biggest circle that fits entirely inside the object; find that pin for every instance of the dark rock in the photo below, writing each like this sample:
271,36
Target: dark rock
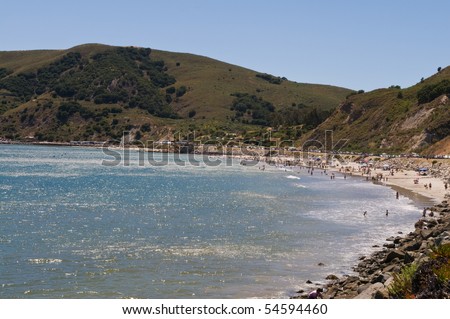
394,254
331,277
320,264
413,246
409,258
392,245
309,282
419,224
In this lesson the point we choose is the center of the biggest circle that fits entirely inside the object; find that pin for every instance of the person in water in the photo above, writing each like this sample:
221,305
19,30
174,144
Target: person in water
316,294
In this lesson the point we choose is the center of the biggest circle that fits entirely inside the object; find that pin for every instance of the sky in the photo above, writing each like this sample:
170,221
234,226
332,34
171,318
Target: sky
355,44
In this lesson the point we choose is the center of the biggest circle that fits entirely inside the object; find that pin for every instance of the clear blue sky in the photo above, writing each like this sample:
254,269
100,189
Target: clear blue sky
350,43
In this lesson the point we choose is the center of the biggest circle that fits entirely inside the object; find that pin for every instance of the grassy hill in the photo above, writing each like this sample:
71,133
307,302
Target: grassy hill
394,120
96,91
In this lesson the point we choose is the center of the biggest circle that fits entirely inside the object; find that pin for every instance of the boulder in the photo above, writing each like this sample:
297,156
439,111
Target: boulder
382,293
370,292
426,233
331,277
394,254
413,246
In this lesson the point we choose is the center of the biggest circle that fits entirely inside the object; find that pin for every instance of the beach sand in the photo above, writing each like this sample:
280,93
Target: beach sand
405,180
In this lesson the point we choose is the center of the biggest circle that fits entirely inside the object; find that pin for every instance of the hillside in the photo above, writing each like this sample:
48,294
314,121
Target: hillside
394,120
95,92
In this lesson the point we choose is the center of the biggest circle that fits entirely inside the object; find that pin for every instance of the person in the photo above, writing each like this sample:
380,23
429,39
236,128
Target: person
365,213
424,213
396,196
446,186
316,294
387,212
429,186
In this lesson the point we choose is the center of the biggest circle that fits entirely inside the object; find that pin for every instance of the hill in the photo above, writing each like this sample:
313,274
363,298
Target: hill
95,92
394,120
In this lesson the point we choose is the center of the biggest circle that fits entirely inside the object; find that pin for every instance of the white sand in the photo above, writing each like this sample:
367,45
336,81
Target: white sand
405,179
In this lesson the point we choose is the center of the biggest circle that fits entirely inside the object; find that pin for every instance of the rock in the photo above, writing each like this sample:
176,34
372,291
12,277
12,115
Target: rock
382,293
409,258
442,239
426,233
362,288
394,254
369,293
378,278
309,282
392,245
320,264
331,277
413,246
419,224
390,268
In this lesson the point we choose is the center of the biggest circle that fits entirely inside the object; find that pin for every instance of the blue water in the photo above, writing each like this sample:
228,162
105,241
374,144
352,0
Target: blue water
71,227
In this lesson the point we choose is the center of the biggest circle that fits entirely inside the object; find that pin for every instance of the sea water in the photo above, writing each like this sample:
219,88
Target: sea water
73,227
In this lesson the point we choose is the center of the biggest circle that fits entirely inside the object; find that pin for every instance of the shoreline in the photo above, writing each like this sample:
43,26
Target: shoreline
374,274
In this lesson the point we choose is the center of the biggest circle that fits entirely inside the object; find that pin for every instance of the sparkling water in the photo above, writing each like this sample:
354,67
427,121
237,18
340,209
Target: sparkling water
71,227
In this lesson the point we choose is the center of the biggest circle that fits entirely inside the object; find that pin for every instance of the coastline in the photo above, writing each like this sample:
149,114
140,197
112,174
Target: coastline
374,274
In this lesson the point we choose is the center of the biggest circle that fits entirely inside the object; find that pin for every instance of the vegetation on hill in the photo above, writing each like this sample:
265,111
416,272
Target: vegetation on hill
394,120
250,109
124,76
96,92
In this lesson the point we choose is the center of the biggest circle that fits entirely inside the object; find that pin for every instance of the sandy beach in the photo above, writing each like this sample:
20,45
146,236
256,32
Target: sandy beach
406,179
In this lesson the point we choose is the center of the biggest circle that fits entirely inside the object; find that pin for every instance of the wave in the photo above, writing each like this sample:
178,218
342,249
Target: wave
292,177
44,261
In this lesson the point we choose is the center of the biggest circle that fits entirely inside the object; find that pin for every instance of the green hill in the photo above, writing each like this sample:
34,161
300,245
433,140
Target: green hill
95,92
394,120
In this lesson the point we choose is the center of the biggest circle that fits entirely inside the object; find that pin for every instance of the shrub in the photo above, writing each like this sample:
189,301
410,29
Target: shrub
401,287
192,113
429,92
270,78
181,91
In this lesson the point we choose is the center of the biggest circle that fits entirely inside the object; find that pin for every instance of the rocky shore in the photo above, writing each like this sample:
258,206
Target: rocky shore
375,273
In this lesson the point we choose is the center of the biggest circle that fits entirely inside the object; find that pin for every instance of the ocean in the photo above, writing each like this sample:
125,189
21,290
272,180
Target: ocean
73,224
